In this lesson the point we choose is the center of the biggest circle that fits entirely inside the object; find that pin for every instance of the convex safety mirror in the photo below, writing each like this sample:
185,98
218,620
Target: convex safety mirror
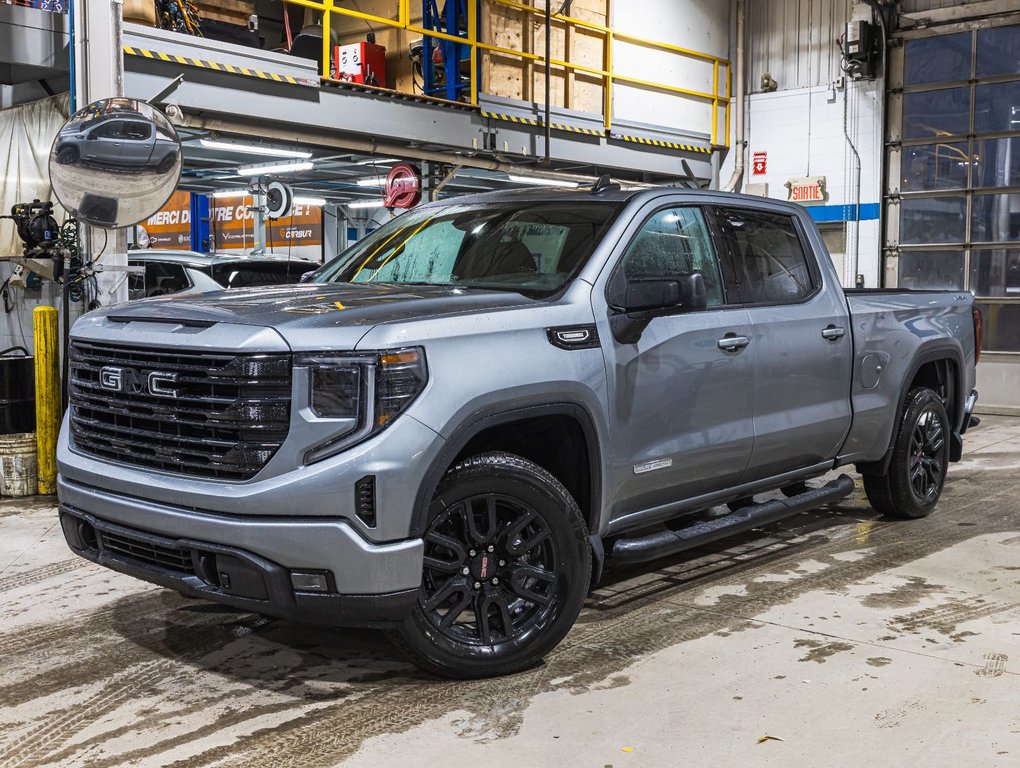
115,162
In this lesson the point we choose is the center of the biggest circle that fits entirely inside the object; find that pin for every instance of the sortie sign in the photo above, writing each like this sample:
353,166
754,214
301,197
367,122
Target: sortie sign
810,189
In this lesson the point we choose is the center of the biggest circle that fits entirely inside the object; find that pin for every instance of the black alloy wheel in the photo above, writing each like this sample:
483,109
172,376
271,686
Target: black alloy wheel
505,572
927,457
920,459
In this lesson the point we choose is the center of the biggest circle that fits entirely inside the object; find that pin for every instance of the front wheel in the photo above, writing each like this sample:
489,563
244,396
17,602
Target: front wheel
920,459
506,569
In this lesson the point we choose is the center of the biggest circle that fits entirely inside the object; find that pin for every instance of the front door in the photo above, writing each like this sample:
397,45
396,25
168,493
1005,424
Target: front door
801,336
681,387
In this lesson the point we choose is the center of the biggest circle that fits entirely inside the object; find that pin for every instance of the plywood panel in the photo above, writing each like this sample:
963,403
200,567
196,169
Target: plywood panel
514,78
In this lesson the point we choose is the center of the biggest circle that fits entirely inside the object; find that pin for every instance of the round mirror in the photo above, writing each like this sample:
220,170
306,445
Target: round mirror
115,163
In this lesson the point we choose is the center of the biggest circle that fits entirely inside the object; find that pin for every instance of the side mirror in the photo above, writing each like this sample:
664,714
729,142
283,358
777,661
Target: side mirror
682,292
109,189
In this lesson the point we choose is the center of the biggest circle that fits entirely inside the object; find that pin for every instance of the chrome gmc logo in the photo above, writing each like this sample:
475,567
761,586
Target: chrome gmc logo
158,383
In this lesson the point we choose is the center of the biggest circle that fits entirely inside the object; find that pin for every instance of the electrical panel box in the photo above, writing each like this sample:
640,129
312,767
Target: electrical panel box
363,63
859,50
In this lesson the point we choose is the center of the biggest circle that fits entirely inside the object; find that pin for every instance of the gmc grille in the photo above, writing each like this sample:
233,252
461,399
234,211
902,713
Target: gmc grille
208,414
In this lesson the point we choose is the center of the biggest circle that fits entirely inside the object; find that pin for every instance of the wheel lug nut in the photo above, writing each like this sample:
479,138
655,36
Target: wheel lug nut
491,548
495,581
478,584
472,553
502,563
465,570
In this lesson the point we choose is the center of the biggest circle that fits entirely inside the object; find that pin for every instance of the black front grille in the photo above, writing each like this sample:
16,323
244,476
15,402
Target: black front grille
209,414
173,559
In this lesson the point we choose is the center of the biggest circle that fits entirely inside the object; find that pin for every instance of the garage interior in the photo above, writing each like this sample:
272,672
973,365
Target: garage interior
836,634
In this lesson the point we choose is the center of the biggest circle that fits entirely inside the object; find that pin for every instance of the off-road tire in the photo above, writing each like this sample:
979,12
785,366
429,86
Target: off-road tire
916,476
529,598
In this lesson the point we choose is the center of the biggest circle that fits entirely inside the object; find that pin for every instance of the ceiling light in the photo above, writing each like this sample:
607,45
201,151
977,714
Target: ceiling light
231,193
366,204
540,181
254,149
316,201
273,168
378,161
373,182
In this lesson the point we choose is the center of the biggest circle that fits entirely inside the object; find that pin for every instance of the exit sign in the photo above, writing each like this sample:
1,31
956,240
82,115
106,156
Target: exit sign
807,190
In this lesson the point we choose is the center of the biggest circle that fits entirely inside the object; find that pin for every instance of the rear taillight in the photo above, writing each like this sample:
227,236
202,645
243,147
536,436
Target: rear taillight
979,327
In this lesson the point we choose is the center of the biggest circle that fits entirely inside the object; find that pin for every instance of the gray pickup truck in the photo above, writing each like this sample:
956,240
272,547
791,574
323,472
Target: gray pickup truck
454,423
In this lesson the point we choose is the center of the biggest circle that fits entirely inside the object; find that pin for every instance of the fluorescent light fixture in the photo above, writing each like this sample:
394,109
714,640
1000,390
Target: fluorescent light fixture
372,182
231,193
378,161
253,149
273,168
540,181
366,204
317,201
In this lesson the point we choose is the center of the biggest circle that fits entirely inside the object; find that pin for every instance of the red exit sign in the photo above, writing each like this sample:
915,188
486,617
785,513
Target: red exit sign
807,190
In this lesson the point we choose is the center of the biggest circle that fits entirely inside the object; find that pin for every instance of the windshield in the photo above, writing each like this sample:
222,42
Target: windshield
532,248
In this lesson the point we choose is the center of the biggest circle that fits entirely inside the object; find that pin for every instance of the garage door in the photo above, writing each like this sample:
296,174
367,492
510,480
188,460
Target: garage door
953,190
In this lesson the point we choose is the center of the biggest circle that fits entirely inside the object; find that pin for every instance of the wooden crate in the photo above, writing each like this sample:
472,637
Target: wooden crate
227,11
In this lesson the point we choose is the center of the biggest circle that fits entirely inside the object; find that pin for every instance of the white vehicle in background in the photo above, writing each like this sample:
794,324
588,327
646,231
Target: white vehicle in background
163,272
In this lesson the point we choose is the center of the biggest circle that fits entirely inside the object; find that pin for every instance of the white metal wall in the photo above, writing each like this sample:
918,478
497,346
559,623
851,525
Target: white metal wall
794,40
701,25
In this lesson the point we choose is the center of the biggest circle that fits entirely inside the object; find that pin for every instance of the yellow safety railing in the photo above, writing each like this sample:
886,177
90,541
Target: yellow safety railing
718,97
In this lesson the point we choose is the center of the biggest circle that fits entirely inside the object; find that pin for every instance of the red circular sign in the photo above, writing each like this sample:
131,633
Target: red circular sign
403,187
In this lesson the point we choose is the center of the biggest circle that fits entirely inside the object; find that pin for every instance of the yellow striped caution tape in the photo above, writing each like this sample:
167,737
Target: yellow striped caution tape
218,66
540,123
660,143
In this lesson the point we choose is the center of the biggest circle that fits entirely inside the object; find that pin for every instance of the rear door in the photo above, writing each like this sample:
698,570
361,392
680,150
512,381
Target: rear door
801,337
680,393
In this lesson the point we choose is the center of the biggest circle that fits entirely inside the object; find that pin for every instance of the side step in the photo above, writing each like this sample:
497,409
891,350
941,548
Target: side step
662,543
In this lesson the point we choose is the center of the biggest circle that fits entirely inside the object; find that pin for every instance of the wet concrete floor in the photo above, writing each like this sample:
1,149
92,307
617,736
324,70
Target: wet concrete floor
847,638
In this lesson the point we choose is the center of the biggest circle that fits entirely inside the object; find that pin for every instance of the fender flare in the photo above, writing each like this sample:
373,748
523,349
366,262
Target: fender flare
928,353
484,419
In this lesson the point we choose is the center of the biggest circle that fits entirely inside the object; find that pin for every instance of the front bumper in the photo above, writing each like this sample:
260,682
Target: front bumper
246,562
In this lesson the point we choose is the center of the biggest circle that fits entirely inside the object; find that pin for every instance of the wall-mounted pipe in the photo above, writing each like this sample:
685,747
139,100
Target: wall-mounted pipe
739,141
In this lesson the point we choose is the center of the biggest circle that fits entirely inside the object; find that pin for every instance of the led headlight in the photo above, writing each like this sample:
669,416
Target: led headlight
368,389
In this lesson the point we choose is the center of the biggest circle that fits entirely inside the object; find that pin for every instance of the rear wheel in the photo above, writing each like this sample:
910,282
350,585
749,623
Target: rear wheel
917,471
506,569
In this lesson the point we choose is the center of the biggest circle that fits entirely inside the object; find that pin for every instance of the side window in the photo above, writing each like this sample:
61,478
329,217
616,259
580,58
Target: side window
769,262
137,131
161,279
109,130
675,241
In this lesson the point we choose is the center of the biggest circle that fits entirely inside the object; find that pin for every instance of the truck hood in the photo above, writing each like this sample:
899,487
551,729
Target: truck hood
317,316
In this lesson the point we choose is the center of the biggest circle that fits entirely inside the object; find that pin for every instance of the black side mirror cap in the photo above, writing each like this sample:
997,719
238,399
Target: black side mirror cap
682,292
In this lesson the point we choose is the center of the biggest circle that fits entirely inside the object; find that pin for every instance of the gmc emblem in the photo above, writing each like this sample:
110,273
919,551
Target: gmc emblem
158,383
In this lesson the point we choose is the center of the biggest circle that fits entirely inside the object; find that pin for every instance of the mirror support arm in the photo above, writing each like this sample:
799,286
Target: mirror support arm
172,86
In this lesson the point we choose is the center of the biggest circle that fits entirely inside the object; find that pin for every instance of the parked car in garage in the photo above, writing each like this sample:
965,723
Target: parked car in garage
123,141
456,421
164,272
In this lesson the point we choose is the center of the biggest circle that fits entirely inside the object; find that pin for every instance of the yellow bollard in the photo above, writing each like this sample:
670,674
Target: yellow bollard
47,395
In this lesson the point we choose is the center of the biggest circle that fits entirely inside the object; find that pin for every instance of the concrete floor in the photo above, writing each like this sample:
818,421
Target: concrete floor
854,640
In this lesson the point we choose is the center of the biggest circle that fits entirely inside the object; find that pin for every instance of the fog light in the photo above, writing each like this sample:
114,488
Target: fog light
309,581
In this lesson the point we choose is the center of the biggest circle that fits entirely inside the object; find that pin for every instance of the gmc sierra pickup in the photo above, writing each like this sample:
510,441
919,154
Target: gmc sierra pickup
449,428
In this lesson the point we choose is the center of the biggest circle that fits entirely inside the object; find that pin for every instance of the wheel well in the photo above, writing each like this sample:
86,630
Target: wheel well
555,442
939,376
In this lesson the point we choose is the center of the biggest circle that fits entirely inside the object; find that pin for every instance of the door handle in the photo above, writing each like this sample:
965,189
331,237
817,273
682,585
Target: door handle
832,333
731,342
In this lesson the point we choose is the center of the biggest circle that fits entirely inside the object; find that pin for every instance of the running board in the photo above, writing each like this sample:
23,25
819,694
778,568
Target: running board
662,543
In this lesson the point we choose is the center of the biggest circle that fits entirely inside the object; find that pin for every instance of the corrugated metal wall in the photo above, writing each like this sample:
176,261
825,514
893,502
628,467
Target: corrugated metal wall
920,6
795,41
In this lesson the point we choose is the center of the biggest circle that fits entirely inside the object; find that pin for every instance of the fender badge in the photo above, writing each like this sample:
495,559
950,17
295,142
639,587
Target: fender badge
651,466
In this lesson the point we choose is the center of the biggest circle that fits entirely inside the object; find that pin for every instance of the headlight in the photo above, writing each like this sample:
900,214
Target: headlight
369,389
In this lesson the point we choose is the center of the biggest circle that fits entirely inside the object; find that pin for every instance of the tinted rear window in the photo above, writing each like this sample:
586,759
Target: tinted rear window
241,274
